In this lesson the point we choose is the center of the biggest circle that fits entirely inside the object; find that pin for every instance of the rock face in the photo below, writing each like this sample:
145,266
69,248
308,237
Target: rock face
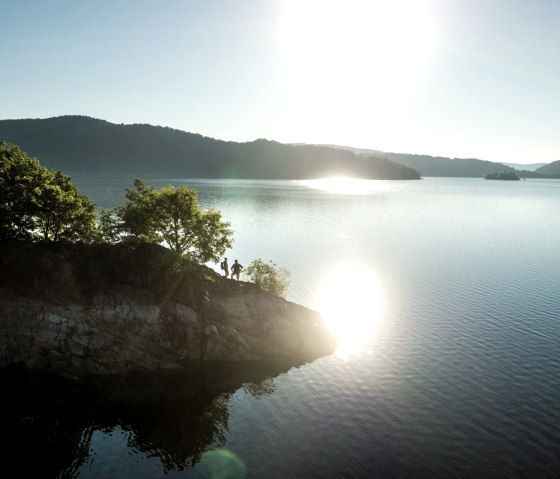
116,328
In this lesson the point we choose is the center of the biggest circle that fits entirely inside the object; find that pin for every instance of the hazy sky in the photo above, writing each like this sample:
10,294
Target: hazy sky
459,78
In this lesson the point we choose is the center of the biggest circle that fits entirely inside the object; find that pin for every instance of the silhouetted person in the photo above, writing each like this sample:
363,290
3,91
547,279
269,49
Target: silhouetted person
236,269
225,267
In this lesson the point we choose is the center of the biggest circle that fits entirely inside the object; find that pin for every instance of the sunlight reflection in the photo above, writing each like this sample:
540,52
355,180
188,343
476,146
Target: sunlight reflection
349,299
344,184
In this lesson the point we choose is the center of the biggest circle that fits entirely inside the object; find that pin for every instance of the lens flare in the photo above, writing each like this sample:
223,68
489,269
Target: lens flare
221,464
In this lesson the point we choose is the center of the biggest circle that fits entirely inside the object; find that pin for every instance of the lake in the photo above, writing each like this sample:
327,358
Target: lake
445,296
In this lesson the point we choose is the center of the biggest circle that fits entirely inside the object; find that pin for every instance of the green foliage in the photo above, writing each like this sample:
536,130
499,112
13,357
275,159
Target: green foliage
38,203
170,215
20,180
268,276
63,212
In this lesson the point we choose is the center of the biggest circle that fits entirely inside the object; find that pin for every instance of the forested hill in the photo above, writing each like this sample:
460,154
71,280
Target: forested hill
453,167
441,166
550,169
80,144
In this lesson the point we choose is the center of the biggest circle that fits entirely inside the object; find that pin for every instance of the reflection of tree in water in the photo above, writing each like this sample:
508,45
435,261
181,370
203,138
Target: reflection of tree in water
178,434
174,416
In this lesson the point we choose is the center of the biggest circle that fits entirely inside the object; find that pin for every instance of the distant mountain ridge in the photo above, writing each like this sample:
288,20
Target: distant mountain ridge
81,144
457,167
528,167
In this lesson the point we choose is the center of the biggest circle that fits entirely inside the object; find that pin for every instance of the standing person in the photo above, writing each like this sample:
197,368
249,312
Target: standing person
225,267
236,269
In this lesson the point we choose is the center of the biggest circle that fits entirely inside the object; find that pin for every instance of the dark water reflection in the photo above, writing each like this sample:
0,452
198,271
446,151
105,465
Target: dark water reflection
49,422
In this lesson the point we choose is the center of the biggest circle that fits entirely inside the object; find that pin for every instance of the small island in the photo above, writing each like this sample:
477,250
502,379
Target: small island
502,175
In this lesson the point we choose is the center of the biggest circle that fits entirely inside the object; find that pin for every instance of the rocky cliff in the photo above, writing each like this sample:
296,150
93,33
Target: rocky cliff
83,310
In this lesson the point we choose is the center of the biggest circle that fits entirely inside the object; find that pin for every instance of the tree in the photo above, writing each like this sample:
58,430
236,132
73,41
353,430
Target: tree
20,180
268,276
36,202
63,213
172,216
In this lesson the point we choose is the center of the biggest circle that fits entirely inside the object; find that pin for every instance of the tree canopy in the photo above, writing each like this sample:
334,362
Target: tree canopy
172,216
37,203
268,276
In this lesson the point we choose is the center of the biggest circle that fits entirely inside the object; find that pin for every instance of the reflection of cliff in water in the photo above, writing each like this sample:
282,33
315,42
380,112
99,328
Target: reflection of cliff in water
174,416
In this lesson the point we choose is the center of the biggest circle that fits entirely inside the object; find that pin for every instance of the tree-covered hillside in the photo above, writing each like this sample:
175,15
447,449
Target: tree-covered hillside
80,144
550,169
455,167
441,166
450,167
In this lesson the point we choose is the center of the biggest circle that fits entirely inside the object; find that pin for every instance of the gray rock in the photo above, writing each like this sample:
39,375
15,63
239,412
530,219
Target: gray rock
125,331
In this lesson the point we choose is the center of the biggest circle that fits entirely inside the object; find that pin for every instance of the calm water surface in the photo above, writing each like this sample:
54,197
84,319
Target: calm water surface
445,294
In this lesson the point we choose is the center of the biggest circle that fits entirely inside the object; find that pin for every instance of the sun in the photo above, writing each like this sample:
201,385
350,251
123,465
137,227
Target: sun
351,59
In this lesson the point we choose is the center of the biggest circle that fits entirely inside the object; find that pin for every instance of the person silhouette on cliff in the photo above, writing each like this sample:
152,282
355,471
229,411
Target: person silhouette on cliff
225,267
236,269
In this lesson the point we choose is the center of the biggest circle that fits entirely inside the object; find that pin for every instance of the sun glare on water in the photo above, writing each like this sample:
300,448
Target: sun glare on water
349,299
346,185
